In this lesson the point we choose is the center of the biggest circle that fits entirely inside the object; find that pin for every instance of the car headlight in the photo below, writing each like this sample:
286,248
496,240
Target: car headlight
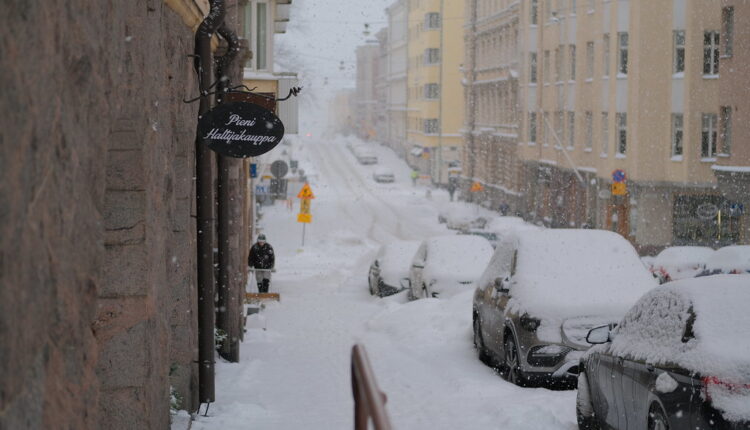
547,355
528,323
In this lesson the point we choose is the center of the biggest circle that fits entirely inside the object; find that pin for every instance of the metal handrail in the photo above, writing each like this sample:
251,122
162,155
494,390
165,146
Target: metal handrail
369,401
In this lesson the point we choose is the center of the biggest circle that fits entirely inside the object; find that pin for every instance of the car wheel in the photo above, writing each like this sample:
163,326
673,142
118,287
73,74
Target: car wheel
512,371
584,405
479,342
657,419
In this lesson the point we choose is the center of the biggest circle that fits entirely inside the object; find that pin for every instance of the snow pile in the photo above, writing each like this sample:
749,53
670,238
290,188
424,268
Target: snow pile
700,325
455,260
665,383
563,274
729,259
681,262
394,260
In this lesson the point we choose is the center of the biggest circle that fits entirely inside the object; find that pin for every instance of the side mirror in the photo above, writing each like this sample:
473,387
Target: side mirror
500,285
599,335
418,264
405,283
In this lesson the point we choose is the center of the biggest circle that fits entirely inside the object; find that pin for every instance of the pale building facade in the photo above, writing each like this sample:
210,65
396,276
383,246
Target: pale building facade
605,86
434,89
491,71
396,68
365,104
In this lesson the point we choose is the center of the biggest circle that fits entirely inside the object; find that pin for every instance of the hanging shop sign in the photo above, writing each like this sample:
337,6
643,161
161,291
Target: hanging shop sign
240,130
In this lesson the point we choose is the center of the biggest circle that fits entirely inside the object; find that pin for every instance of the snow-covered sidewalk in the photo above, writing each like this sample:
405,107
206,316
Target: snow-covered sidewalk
295,373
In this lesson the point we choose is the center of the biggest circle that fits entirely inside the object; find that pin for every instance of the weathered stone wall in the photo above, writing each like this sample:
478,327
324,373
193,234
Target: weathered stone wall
97,264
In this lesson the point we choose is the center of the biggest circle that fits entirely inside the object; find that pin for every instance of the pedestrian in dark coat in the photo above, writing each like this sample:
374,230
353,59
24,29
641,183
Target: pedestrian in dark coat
263,260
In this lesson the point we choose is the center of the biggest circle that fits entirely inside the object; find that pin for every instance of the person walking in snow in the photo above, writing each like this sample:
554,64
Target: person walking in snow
414,176
263,260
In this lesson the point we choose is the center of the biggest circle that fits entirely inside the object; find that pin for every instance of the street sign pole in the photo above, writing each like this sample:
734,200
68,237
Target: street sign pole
303,233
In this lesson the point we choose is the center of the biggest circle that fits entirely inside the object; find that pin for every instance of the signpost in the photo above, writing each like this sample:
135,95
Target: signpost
240,130
279,169
305,217
476,187
618,183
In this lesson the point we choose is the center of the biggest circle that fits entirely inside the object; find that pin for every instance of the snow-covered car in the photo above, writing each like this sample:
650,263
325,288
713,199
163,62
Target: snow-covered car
491,237
391,264
461,216
680,262
680,359
383,174
544,290
446,265
365,156
733,259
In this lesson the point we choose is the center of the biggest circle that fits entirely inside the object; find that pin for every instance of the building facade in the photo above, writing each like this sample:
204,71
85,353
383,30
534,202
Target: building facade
366,102
434,92
396,70
491,72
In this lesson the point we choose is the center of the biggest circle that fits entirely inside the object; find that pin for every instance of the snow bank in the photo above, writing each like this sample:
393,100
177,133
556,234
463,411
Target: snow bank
658,330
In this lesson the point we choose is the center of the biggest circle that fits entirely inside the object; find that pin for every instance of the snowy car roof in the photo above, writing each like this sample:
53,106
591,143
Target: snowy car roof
464,256
684,255
729,258
383,171
394,260
566,273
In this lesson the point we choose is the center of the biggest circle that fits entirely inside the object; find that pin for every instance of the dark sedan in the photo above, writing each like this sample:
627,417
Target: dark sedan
678,360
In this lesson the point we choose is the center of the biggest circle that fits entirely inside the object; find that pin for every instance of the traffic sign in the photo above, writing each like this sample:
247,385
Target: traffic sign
476,186
306,192
304,207
304,218
253,170
279,168
618,175
619,189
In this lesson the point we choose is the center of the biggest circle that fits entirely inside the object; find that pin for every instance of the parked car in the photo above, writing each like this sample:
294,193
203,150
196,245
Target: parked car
390,266
365,156
446,265
491,237
543,291
680,262
461,216
383,174
733,259
680,359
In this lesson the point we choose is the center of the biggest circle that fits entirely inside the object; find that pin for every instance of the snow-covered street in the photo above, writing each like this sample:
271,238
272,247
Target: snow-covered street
294,370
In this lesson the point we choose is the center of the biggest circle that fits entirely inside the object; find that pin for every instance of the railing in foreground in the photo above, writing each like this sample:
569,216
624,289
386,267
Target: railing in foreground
369,401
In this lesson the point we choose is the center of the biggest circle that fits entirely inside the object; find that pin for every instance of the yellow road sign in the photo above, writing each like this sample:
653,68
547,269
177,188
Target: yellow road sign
476,186
619,189
304,207
306,192
304,218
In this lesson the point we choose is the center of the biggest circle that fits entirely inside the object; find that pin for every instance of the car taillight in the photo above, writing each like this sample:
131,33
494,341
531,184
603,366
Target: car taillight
713,386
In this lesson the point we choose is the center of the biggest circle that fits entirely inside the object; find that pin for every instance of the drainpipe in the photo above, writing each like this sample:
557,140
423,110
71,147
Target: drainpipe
230,348
204,205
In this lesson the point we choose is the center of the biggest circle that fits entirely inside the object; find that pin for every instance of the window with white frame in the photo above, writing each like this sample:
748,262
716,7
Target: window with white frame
548,10
679,51
708,135
727,29
534,12
589,60
726,130
589,123
711,53
532,127
572,61
431,91
532,67
605,133
622,55
677,134
572,7
558,128
605,54
262,36
622,133
545,69
432,21
545,129
571,129
431,126
431,56
591,5
558,63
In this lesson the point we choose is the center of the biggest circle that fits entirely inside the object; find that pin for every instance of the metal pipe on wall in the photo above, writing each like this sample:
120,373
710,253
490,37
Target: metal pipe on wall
230,349
204,205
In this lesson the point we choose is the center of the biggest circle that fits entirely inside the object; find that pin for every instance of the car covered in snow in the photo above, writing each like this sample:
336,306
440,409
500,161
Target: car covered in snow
391,264
461,216
733,259
491,237
383,174
446,265
679,359
365,156
680,262
542,292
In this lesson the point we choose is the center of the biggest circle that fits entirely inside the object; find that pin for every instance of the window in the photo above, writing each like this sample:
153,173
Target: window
249,29
572,7
605,54
591,5
622,133
431,91
572,49
589,131
679,51
622,58
677,134
261,54
727,29
726,129
548,10
545,128
605,133
571,129
532,68
559,121
534,11
431,126
711,53
558,63
431,56
545,70
432,21
708,135
589,60
532,127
